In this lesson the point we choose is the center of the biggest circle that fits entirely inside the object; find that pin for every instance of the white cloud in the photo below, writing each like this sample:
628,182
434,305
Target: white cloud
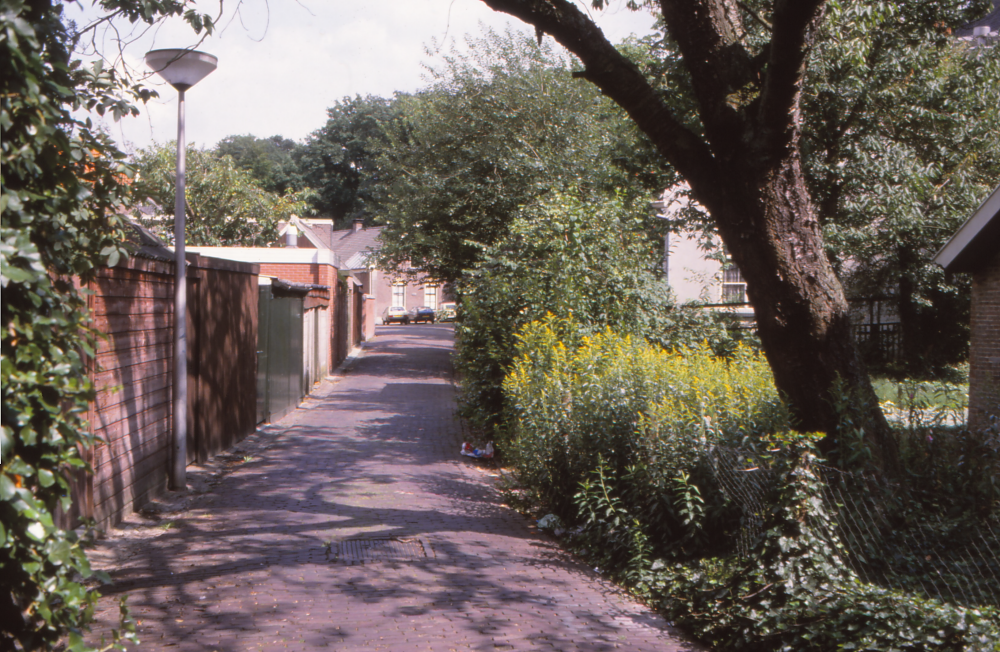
282,63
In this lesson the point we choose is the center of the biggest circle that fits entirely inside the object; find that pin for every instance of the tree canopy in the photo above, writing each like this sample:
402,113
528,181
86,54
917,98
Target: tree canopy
338,160
498,128
901,143
272,161
225,205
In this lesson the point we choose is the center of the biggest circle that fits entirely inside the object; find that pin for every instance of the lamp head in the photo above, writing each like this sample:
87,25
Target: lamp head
181,68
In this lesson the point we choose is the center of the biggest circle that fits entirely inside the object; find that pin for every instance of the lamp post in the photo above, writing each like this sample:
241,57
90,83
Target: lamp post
182,69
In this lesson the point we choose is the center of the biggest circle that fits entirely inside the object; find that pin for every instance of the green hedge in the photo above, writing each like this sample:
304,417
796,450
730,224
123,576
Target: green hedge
589,260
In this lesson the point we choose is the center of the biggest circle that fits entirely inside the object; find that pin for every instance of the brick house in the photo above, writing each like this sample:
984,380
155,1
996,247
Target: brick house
355,247
975,249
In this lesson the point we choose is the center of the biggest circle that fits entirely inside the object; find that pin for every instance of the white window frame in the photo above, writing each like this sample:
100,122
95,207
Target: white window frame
399,295
431,296
734,287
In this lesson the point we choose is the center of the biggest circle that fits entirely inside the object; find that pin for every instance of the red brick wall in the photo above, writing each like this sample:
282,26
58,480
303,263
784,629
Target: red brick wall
984,356
296,272
133,305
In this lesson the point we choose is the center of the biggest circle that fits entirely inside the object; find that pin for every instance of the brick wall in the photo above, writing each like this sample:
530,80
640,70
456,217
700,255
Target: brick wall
310,273
984,356
133,305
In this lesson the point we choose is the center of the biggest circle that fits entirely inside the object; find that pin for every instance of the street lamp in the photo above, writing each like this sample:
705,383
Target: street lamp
182,69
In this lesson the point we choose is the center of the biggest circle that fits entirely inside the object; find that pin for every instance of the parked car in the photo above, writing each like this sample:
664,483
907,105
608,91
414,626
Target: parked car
423,313
395,314
447,312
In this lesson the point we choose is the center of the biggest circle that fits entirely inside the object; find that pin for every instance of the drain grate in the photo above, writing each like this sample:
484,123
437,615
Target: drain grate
371,551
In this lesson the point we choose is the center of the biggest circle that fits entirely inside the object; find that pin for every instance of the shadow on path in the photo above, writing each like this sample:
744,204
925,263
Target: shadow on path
371,456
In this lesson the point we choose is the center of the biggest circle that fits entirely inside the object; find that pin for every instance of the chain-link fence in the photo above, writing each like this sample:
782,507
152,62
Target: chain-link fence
948,554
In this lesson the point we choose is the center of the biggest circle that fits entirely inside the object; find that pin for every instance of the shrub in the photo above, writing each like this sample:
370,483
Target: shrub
793,590
589,261
646,415
686,484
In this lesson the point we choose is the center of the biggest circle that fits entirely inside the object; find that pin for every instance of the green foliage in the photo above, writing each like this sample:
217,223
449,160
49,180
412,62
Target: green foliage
951,470
499,128
637,432
901,144
589,260
339,159
62,188
650,415
271,161
793,591
225,204
916,404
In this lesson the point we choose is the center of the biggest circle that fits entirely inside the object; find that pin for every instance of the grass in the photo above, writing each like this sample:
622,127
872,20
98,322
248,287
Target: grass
921,394
923,403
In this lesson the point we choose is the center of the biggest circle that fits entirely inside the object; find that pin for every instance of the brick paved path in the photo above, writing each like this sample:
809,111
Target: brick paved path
259,562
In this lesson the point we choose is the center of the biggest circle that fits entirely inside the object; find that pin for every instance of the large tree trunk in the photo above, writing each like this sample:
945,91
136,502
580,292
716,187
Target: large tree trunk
767,222
746,171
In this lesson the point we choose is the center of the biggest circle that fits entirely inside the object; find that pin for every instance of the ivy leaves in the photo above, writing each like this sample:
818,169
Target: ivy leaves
63,185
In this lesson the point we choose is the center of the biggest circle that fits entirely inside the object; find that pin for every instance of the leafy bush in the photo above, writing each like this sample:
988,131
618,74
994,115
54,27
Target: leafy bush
793,590
62,188
573,257
646,414
940,455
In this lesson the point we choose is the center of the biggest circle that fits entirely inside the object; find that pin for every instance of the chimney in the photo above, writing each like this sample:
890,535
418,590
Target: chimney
358,224
292,236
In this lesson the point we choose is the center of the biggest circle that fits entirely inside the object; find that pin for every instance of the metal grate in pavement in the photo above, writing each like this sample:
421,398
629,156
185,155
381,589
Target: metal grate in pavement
370,551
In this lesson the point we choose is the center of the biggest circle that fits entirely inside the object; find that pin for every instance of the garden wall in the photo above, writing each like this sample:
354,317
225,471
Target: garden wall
132,305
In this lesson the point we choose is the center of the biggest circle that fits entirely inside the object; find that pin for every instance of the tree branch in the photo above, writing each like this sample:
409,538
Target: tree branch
709,35
795,25
621,80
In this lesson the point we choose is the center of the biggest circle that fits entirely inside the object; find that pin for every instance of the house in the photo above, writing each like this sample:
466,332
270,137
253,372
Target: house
699,270
975,249
356,247
696,269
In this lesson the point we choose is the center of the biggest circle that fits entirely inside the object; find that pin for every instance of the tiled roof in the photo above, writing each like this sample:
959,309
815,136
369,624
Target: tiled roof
352,246
145,244
349,242
360,260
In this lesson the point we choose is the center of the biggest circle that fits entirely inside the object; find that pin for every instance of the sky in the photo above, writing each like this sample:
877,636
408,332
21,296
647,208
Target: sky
282,63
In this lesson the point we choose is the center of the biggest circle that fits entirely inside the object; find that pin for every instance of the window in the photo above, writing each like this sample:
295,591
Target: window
734,288
399,295
431,296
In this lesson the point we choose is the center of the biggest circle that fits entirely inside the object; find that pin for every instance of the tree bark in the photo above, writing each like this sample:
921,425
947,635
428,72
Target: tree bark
746,170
